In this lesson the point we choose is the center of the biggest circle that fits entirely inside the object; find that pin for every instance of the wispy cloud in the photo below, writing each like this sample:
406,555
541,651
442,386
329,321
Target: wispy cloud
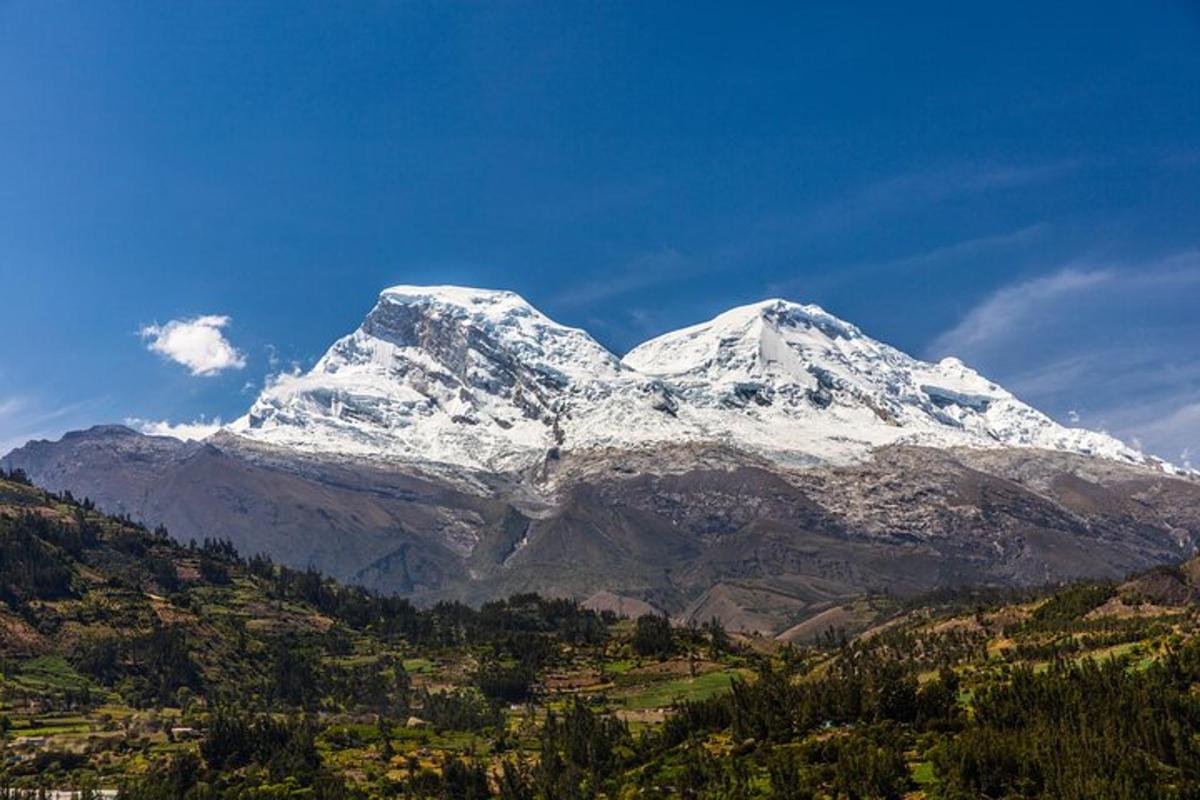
768,237
1013,306
1109,346
964,178
643,271
197,343
23,418
939,257
911,191
968,248
10,406
1169,426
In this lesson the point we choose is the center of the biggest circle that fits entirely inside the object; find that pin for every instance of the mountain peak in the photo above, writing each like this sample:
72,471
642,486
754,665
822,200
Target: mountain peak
479,378
461,296
790,379
790,313
769,334
466,327
450,374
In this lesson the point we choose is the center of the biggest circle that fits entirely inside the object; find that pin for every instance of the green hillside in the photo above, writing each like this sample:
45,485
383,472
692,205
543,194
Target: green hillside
129,662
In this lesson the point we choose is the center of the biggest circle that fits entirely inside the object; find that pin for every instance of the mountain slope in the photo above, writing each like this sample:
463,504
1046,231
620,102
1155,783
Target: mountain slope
796,382
470,377
664,525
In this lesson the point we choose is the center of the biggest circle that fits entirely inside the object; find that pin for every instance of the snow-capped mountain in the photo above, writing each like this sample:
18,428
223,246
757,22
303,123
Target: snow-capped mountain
794,381
460,376
481,379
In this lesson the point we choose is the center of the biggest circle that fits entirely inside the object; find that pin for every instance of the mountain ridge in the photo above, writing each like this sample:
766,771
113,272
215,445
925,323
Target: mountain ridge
481,379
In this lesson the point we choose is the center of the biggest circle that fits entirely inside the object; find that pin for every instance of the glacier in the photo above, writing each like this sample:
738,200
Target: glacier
481,380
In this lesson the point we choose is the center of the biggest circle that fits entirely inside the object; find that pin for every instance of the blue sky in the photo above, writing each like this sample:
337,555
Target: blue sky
1017,185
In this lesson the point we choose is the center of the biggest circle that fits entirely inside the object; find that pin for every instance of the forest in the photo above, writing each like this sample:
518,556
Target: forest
135,666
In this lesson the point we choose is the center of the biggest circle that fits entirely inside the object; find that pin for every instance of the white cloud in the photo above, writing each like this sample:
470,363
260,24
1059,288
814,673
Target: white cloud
1012,307
196,343
969,248
187,431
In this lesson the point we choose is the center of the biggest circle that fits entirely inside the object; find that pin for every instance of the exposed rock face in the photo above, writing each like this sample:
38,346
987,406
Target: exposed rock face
698,532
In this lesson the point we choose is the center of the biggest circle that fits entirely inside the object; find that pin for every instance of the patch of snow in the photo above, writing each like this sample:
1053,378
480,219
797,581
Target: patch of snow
184,431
